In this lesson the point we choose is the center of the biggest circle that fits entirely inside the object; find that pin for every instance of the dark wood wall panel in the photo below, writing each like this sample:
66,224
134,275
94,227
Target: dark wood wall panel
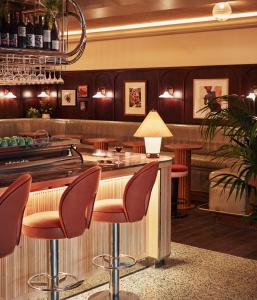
178,110
11,108
172,110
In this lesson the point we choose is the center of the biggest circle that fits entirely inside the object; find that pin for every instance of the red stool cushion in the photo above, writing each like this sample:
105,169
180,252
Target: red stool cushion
110,211
179,168
178,171
43,225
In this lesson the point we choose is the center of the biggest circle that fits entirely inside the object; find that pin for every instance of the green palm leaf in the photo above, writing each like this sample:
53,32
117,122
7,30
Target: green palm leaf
238,124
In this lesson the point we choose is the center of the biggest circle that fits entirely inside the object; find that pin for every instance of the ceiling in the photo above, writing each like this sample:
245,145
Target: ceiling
105,13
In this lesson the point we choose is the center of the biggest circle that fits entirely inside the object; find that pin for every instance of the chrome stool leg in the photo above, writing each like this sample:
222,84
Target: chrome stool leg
52,283
115,272
114,267
54,269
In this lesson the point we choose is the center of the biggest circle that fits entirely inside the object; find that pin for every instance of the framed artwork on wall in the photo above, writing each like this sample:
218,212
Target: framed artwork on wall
205,90
68,97
83,106
135,98
82,91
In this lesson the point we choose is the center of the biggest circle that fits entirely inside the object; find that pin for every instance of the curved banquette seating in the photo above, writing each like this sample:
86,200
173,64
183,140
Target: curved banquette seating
202,163
12,205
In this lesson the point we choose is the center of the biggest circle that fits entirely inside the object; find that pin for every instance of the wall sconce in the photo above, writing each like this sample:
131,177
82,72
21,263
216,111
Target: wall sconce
253,93
44,94
7,94
47,94
103,93
168,93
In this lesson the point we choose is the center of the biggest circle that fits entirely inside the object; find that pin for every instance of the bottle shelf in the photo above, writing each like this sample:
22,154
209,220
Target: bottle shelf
32,52
36,66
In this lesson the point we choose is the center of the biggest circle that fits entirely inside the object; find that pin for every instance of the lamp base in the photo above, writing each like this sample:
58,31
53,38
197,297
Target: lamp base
152,155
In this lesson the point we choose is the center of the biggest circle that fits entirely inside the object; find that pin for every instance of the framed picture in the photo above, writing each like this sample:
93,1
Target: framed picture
135,98
204,91
68,97
83,106
82,91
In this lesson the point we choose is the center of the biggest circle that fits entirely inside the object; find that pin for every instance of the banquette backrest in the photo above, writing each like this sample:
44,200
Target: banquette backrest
120,130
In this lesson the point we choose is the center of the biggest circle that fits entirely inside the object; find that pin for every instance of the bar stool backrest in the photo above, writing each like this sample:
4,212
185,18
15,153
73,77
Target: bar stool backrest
77,203
138,192
12,205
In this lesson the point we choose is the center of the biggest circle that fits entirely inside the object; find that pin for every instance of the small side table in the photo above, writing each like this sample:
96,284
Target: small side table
137,146
183,156
100,143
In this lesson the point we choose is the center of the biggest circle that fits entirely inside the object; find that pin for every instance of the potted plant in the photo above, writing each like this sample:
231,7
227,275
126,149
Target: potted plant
33,113
238,123
46,110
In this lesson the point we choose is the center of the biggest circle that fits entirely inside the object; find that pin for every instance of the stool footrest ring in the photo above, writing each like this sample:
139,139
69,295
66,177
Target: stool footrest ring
106,258
45,286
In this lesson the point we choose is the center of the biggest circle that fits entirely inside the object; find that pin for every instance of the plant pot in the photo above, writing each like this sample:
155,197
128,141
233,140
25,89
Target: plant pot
46,116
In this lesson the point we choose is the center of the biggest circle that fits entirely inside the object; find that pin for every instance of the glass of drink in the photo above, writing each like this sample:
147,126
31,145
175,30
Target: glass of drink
118,148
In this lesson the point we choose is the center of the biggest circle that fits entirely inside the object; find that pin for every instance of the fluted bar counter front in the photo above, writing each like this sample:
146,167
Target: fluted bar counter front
148,238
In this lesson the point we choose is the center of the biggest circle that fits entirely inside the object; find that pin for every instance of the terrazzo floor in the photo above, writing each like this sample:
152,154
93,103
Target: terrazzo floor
193,273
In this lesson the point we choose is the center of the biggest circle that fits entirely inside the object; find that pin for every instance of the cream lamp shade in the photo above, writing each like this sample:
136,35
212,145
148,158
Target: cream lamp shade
153,129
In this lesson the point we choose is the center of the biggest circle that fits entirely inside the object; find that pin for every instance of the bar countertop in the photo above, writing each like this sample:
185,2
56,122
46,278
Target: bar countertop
52,172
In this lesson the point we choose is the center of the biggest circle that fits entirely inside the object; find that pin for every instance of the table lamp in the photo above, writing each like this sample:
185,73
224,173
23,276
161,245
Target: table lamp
153,129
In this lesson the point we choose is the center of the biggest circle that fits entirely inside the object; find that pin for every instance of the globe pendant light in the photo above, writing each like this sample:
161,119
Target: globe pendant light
222,11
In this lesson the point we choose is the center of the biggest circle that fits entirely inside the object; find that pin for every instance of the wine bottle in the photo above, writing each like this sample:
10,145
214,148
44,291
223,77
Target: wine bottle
47,34
39,34
55,36
13,31
0,29
21,32
30,34
5,37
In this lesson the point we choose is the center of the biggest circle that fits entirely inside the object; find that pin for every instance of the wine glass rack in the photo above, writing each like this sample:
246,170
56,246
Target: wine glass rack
33,66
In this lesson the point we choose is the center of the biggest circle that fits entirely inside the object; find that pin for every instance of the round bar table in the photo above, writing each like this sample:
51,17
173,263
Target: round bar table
183,157
100,143
137,146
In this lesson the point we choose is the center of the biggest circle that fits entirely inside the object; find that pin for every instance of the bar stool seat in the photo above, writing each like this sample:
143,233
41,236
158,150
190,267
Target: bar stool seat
110,211
177,171
43,225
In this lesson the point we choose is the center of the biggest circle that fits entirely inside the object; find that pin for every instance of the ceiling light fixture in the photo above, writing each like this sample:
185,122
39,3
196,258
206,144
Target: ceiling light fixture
222,11
163,23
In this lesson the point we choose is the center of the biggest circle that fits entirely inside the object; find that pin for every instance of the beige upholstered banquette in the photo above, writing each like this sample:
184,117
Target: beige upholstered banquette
202,164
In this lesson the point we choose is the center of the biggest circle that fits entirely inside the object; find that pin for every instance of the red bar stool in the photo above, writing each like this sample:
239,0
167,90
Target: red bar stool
12,205
177,171
132,208
74,216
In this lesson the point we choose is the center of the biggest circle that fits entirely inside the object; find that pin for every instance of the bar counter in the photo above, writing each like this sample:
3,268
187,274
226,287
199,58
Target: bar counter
148,238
